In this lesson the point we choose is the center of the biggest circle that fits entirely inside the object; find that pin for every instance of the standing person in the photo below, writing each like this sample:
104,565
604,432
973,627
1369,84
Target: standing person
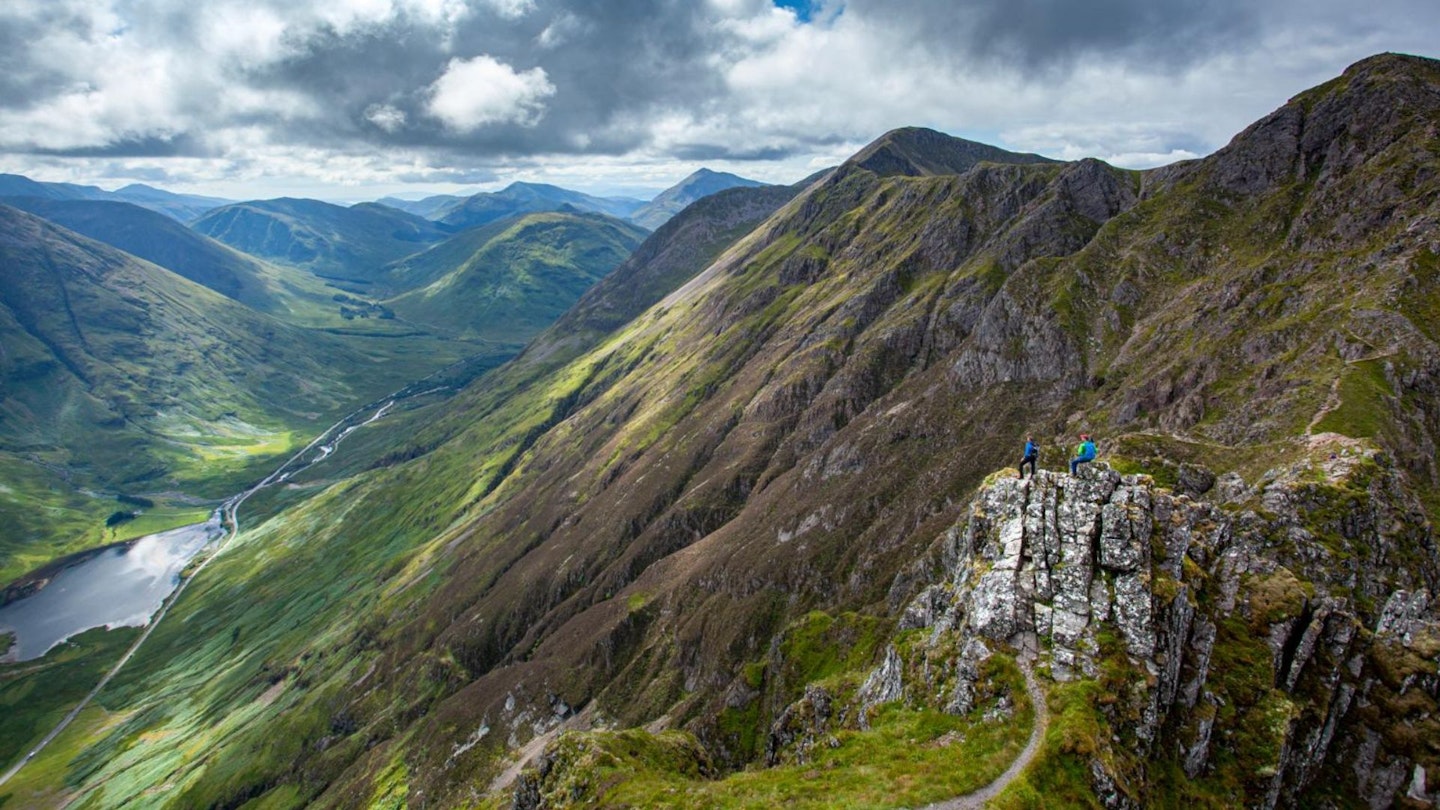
1032,452
1084,453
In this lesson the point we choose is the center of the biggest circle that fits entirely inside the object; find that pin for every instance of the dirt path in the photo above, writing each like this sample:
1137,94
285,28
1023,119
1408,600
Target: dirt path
1331,403
977,799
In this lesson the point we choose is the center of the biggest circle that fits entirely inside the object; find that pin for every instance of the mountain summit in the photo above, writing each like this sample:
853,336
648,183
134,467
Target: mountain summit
920,152
701,183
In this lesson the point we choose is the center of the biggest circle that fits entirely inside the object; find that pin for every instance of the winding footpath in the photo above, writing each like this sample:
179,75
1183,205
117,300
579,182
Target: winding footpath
229,516
977,799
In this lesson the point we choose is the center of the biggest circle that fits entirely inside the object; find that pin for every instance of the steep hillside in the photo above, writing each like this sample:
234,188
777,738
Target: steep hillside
345,244
160,239
735,531
287,293
526,198
509,281
666,260
668,203
672,256
119,376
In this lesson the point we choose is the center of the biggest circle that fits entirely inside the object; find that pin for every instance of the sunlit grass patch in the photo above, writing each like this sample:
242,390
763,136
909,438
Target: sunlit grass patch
35,695
908,758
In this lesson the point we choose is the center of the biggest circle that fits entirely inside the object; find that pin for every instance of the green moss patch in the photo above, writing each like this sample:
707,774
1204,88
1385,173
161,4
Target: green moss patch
908,758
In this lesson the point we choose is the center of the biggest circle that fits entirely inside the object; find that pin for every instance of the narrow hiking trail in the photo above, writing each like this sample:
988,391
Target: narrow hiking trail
977,799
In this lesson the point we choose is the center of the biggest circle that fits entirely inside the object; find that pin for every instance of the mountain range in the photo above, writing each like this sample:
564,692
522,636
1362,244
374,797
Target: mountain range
346,244
180,207
525,198
522,198
740,530
489,292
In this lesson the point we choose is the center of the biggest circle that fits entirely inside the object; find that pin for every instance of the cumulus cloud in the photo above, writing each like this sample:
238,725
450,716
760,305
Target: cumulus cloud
473,93
768,88
385,117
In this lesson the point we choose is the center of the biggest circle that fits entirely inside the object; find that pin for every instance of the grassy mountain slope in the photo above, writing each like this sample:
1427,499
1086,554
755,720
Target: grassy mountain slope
526,198
512,279
159,239
730,498
347,244
429,207
668,203
671,257
120,376
287,293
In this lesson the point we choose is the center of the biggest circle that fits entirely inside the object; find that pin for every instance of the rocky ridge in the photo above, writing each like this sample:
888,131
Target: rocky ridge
1231,637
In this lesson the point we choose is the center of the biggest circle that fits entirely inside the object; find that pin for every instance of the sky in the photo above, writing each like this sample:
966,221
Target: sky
349,100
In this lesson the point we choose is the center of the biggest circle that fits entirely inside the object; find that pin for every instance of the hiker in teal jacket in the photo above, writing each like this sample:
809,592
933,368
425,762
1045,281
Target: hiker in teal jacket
1084,454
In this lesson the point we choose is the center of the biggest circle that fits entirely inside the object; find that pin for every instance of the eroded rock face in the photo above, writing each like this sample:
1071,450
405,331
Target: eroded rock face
1287,637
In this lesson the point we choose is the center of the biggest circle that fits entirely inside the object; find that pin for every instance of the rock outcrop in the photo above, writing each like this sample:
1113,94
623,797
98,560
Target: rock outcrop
1284,649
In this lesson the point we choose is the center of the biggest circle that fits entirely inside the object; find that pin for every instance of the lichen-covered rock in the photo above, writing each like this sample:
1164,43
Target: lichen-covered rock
884,685
804,725
1255,640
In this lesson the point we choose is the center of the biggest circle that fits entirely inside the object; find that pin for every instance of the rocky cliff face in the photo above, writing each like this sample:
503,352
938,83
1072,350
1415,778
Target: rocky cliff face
1266,646
1277,645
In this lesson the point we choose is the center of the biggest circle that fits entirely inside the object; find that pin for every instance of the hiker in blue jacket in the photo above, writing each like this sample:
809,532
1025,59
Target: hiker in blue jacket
1032,452
1084,454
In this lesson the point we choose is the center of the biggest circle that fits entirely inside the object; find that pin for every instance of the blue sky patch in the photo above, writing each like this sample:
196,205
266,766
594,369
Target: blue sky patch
802,8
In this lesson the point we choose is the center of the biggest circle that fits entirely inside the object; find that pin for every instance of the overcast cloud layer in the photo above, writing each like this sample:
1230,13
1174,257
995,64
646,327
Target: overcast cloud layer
348,100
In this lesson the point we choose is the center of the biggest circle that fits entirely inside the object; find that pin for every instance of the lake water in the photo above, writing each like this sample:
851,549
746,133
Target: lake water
120,587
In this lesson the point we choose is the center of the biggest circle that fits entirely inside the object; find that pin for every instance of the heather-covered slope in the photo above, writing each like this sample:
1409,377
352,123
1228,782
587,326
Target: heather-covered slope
159,239
347,244
714,520
508,281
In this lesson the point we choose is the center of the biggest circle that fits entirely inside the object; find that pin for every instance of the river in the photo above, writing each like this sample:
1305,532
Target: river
121,586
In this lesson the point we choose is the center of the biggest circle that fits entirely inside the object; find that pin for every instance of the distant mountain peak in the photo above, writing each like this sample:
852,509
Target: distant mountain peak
698,184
